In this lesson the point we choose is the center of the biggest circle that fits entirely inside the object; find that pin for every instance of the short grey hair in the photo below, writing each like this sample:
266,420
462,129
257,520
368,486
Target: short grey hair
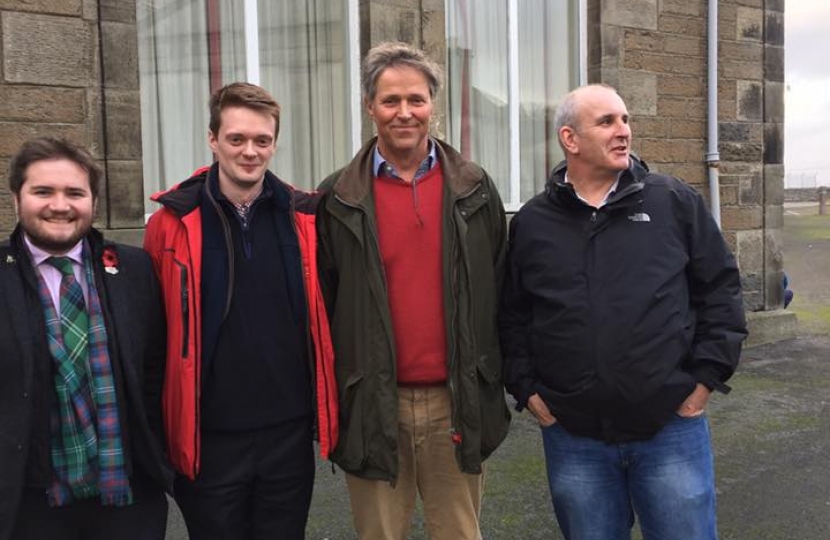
394,54
567,112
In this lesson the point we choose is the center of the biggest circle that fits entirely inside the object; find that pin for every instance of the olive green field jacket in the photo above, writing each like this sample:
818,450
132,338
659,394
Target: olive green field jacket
354,287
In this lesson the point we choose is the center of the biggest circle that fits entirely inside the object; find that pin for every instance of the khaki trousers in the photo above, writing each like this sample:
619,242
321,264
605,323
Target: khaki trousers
427,466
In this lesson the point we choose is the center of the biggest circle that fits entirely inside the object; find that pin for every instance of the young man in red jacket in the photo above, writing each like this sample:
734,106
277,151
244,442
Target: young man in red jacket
234,248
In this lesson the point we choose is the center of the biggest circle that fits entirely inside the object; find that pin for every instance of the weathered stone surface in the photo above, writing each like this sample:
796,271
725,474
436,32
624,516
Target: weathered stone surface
679,107
42,104
769,326
687,128
639,90
737,69
680,85
774,31
95,122
774,5
643,40
119,43
123,121
740,132
774,101
14,134
773,143
774,63
741,151
632,13
742,218
750,101
672,150
750,255
686,26
118,10
126,194
751,191
691,8
774,184
729,195
664,63
646,127
747,51
773,217
391,23
685,46
750,24
48,50
55,7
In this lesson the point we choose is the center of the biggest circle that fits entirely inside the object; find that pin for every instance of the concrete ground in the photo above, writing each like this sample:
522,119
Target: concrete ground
771,435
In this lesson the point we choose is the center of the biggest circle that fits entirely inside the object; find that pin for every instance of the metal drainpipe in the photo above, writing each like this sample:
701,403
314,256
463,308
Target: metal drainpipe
712,156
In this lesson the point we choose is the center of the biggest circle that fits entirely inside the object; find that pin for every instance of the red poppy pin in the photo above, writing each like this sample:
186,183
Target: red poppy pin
110,259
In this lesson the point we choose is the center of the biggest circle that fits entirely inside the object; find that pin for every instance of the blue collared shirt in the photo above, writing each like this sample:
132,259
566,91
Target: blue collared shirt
380,165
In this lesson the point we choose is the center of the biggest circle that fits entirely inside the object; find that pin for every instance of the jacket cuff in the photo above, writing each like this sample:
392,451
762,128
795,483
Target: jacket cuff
711,378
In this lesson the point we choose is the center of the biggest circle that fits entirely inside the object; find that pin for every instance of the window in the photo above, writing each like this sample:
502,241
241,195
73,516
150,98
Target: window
509,61
301,51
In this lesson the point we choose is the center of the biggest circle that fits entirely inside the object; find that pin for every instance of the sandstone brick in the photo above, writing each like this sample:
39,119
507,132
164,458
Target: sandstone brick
773,143
727,109
774,30
742,218
740,168
680,85
738,69
118,10
774,184
47,50
773,217
664,63
123,121
14,134
674,107
632,13
741,151
42,104
126,193
672,150
750,255
750,3
747,51
55,7
774,63
647,127
751,191
687,128
119,43
740,132
750,24
691,8
774,5
750,101
686,26
728,195
685,46
643,40
639,90
774,101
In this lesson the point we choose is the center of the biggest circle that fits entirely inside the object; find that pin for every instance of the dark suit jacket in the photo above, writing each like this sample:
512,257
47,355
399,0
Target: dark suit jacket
136,332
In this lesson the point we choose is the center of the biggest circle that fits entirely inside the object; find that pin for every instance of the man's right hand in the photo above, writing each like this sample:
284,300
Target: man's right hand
537,407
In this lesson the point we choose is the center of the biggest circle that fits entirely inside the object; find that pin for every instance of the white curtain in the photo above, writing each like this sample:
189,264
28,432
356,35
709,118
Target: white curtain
173,68
304,64
303,54
478,71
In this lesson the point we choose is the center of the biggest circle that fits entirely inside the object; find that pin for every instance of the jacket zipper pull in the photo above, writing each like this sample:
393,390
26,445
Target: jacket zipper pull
594,216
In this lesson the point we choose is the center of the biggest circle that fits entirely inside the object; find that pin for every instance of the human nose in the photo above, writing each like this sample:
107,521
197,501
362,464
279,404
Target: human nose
404,110
249,149
58,202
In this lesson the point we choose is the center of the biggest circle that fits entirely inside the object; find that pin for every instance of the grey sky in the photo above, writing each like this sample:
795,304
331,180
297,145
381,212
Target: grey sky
807,72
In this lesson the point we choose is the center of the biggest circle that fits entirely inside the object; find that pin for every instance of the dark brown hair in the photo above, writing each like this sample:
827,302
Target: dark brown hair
241,94
49,148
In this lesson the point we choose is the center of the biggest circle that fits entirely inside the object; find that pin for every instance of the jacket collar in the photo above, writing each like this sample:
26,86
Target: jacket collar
630,180
354,182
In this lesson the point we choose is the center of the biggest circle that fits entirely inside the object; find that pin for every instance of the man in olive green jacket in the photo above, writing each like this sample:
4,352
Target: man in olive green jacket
412,246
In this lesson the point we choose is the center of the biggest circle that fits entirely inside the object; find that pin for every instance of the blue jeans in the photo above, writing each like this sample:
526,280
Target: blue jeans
667,481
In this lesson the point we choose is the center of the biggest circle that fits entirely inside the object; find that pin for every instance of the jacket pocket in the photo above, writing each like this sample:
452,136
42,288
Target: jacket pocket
184,301
494,413
350,453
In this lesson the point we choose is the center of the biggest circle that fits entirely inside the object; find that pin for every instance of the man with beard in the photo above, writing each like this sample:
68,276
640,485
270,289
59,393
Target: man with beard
81,363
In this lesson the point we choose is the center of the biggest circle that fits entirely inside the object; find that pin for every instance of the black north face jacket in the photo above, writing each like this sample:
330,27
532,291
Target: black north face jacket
614,314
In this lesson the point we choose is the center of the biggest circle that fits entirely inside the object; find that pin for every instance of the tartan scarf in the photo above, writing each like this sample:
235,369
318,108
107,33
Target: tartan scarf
88,456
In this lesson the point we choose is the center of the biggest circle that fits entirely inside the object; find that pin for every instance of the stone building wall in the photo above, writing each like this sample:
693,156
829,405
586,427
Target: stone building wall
655,53
70,69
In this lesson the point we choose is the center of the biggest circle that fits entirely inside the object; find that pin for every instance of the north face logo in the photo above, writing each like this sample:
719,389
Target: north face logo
639,216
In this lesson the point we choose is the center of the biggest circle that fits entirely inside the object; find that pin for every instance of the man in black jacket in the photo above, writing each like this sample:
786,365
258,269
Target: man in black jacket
82,358
621,314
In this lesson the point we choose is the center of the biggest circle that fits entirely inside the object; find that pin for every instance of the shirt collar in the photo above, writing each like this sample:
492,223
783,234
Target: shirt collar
380,165
39,256
608,194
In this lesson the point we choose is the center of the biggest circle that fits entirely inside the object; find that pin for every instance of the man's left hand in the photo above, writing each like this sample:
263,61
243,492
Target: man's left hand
695,404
